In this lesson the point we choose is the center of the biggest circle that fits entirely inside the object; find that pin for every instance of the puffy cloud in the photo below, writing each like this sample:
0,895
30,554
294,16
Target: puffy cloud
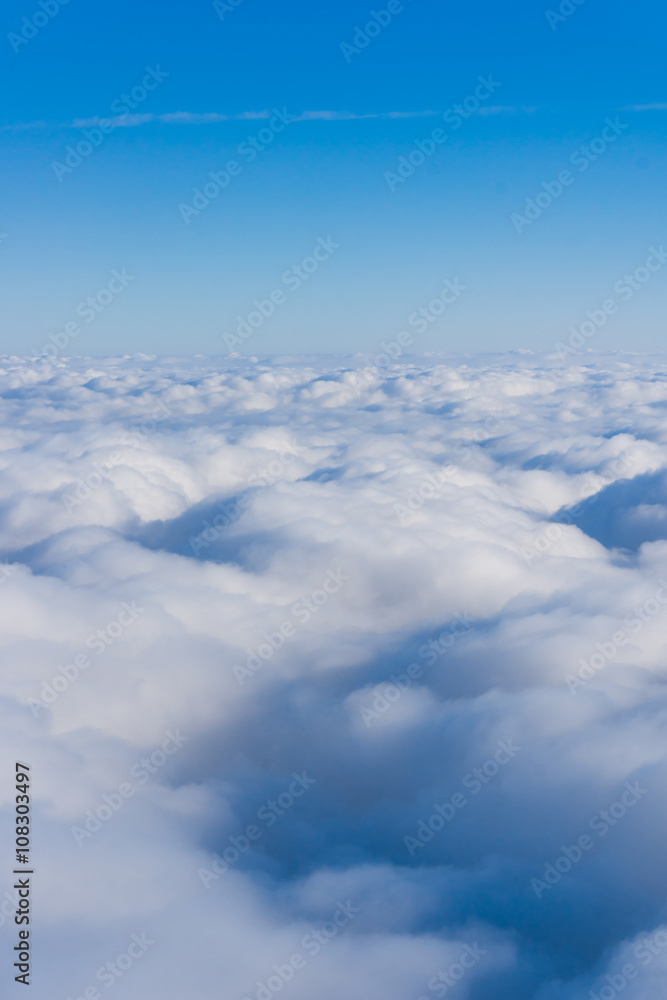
338,682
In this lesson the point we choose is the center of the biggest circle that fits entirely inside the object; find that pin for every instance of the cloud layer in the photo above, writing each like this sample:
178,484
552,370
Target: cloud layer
337,681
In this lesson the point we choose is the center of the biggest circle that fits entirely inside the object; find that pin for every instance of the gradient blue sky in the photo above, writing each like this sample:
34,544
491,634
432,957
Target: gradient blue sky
325,176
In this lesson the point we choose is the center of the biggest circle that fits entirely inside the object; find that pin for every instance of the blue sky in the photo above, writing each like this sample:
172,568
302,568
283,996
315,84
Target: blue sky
328,174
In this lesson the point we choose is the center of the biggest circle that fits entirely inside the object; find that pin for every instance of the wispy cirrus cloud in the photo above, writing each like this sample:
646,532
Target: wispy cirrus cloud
644,107
505,109
215,117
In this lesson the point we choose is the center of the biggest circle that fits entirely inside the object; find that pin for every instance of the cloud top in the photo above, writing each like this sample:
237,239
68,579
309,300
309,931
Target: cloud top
339,681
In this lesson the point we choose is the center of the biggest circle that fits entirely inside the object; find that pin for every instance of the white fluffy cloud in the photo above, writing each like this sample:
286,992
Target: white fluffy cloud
378,659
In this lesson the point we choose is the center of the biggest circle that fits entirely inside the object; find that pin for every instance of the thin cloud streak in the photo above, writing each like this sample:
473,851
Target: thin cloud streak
644,107
215,117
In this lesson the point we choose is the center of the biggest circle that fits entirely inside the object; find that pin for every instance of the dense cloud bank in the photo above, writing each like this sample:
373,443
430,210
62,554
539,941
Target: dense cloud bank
338,682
